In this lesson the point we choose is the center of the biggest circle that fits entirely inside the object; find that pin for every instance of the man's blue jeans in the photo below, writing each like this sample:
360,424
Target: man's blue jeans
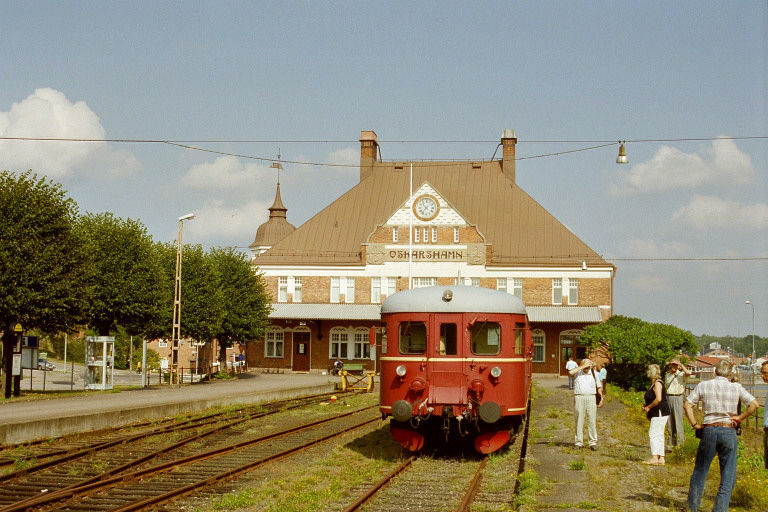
720,441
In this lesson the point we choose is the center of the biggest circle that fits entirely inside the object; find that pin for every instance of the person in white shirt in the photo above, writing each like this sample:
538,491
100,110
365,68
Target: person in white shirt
674,381
570,365
585,386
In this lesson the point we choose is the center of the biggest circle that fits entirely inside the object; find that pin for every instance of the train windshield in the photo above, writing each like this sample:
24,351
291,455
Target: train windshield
413,338
486,338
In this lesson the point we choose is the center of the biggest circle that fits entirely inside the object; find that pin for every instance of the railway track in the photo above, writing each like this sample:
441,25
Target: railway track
446,483
81,468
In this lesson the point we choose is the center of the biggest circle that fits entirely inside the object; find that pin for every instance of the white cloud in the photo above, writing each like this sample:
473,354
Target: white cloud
346,156
49,114
226,173
704,213
670,168
218,220
637,248
650,283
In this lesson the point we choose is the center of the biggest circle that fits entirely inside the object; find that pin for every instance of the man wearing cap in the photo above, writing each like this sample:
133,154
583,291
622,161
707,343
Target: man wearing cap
674,381
585,386
719,398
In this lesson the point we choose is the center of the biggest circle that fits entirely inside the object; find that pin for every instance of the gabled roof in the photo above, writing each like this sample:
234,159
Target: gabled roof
519,229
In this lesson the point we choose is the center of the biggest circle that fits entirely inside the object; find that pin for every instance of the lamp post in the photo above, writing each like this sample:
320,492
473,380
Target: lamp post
177,306
754,355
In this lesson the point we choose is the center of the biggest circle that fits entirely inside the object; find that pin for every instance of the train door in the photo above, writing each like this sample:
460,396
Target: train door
445,372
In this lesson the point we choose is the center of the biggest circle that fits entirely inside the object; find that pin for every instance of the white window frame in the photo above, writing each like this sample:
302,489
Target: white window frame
474,281
425,234
557,291
298,284
539,346
395,234
338,347
517,287
456,235
573,291
416,233
274,343
376,290
362,347
434,235
335,289
423,282
501,284
349,296
391,285
282,289
162,343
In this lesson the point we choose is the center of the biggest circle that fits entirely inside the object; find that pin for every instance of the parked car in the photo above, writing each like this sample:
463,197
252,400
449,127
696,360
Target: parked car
45,365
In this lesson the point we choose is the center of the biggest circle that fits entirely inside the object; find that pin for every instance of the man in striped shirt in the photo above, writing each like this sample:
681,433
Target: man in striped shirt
719,398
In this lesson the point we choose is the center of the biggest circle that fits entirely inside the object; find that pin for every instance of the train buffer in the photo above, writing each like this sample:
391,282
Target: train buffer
357,382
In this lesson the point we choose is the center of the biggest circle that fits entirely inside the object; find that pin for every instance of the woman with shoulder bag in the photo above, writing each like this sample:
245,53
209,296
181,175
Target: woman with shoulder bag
657,410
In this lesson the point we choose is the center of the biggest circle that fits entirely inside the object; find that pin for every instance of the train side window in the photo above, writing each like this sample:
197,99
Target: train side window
413,338
485,338
448,340
519,330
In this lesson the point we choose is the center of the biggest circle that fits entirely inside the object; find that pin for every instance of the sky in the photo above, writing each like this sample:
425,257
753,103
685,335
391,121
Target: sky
684,83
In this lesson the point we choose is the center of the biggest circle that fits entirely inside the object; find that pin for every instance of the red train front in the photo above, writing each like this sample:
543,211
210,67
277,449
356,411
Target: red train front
456,364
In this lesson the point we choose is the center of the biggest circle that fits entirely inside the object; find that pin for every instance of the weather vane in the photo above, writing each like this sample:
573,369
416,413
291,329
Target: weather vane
277,165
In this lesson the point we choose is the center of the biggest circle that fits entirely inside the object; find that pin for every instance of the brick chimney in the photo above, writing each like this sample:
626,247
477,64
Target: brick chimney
369,146
508,142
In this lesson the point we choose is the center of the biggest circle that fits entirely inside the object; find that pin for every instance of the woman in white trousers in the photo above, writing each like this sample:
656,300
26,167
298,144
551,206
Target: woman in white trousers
657,410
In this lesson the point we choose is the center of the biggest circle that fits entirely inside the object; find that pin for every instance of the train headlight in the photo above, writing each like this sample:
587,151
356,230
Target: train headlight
400,370
495,372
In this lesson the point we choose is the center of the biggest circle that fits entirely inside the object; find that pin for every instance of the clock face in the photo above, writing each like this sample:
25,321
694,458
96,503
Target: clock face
426,208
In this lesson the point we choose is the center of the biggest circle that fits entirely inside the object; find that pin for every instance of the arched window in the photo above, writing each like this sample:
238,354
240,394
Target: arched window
339,343
362,348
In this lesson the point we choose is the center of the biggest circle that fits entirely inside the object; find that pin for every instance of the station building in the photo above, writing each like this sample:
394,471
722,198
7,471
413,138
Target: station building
422,224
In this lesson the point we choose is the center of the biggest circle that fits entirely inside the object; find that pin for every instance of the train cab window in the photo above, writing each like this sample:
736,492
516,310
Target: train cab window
448,340
519,338
413,338
485,338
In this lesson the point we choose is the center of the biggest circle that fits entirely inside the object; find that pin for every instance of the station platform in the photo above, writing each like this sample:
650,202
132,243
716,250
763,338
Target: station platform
28,420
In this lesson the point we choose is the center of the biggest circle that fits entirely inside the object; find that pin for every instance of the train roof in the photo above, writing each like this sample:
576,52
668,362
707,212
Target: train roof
470,299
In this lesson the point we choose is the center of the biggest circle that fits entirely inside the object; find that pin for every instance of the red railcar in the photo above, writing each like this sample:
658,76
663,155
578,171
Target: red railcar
456,364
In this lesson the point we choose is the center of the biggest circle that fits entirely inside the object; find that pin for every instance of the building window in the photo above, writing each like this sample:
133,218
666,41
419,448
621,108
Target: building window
339,343
423,282
539,340
573,292
335,289
434,235
282,291
273,347
162,343
416,232
350,295
557,291
376,290
297,285
475,282
517,287
362,345
501,284
425,232
394,234
455,235
391,285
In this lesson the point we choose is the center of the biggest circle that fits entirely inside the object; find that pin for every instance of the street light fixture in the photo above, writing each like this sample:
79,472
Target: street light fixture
754,355
177,306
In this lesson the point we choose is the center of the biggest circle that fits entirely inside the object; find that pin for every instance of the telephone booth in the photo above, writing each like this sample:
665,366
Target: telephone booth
99,362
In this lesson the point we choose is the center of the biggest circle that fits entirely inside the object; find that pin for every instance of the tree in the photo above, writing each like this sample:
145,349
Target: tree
125,276
245,302
630,344
41,258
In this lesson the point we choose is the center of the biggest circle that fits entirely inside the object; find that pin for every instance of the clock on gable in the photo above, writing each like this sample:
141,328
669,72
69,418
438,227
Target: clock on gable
426,207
